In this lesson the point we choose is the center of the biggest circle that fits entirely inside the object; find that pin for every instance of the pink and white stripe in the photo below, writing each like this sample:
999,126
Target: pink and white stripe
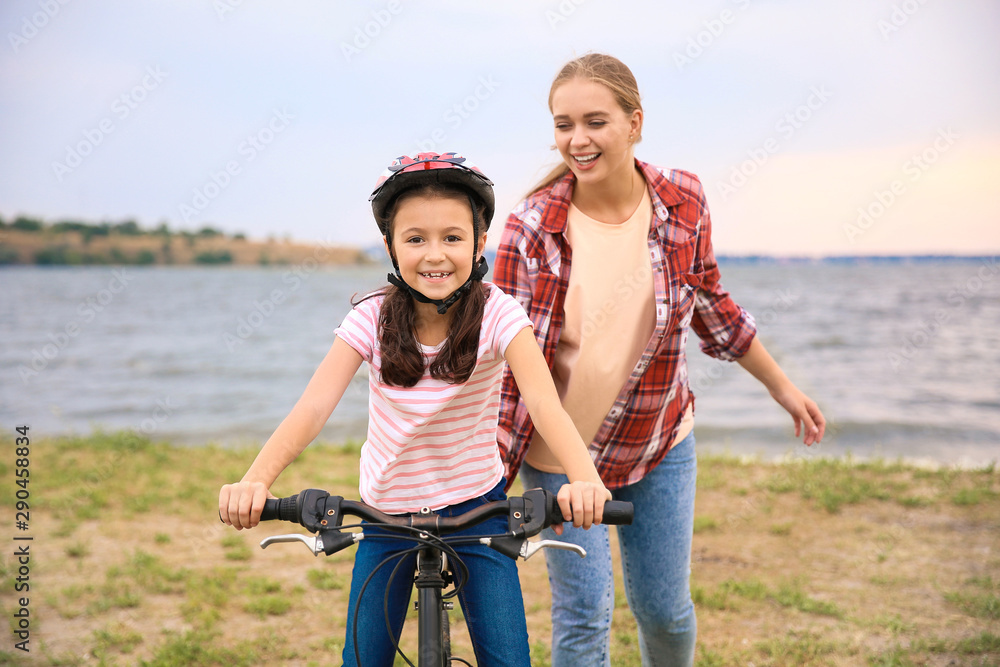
433,444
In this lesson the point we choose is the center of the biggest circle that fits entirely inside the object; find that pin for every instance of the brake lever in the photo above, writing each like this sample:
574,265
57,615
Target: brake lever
314,543
529,549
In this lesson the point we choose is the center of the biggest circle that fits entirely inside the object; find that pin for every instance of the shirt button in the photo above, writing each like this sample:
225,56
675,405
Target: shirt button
615,412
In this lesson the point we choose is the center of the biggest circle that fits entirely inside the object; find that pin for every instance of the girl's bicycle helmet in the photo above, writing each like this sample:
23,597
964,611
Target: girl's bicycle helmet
406,173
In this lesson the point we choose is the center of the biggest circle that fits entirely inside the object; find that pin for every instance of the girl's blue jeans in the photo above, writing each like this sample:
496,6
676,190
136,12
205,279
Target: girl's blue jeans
491,598
656,564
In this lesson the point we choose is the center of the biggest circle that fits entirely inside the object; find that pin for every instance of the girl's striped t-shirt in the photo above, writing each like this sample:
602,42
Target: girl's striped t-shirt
433,444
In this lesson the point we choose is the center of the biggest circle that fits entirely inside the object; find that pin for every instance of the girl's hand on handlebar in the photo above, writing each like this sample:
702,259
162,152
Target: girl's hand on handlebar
240,504
582,503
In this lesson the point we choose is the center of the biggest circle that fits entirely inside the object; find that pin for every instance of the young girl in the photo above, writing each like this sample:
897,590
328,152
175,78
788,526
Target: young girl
436,340
612,258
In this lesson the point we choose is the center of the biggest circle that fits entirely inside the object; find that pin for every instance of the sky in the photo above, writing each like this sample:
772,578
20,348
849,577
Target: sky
860,127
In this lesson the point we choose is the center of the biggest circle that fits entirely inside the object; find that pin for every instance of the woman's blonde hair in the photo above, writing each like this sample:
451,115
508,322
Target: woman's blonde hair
607,71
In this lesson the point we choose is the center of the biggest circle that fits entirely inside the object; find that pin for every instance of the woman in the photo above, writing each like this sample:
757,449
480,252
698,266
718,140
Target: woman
612,259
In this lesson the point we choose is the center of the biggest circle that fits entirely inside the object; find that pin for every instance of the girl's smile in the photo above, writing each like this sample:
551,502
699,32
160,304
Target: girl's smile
436,277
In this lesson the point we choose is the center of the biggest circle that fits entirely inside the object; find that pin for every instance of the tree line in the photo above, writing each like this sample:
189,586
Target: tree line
60,250
124,228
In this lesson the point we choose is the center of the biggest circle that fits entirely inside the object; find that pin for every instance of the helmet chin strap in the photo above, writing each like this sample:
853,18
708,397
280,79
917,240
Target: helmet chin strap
479,271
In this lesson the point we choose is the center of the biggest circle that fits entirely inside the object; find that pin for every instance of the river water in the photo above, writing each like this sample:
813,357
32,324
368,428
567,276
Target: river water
903,357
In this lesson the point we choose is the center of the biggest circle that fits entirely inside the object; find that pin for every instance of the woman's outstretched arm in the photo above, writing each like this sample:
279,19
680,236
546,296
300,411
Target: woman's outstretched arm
809,421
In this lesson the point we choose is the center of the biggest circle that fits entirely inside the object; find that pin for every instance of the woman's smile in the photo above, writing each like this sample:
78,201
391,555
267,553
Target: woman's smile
586,160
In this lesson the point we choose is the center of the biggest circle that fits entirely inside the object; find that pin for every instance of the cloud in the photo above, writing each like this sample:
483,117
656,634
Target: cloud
355,111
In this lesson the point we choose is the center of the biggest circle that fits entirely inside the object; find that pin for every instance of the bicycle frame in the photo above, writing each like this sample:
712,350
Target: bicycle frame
430,583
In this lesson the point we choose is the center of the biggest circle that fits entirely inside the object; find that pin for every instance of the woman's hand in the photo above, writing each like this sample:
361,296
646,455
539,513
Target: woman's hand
582,503
240,504
809,421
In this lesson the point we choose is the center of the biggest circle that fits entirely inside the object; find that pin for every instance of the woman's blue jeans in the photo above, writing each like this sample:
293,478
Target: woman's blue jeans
491,599
656,564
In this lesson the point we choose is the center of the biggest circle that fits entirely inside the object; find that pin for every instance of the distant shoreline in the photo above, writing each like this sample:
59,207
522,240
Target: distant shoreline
850,259
78,248
48,247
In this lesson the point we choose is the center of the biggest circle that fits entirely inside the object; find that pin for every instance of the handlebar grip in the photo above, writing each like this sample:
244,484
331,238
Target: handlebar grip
618,513
283,509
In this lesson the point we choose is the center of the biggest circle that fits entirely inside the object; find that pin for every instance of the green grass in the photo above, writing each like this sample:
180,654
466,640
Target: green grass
894,623
540,654
208,594
796,649
115,595
117,637
268,605
894,657
985,642
984,648
980,605
201,648
261,585
236,548
77,550
982,601
706,657
788,593
148,573
325,579
703,523
972,496
835,483
781,529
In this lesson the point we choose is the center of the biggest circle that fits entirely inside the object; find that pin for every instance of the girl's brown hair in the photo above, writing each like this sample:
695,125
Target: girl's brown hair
402,362
607,71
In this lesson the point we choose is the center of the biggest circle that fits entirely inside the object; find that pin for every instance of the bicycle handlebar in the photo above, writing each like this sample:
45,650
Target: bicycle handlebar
318,511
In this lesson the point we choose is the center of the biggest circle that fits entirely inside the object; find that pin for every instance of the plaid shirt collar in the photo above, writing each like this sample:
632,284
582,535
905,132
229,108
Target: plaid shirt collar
662,192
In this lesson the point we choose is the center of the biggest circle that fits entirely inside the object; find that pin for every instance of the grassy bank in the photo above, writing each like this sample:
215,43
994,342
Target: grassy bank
810,563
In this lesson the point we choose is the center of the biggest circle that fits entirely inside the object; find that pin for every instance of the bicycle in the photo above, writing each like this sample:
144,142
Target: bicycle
528,514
